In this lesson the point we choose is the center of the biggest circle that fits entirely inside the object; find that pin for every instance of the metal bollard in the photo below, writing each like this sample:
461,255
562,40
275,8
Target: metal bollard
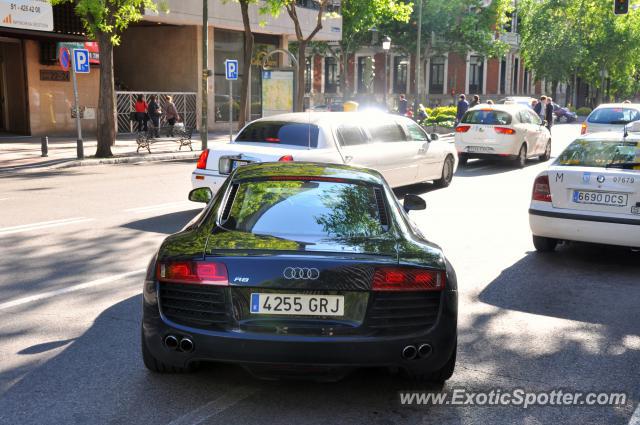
44,141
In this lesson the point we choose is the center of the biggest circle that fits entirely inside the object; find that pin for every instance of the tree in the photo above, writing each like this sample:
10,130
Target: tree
105,21
274,7
458,26
359,17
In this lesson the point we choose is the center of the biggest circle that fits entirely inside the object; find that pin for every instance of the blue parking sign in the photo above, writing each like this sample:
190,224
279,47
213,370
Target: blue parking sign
81,61
231,67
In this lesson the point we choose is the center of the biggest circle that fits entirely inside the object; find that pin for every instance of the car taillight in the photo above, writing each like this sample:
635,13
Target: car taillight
408,279
462,128
286,158
541,189
202,161
198,272
504,130
583,128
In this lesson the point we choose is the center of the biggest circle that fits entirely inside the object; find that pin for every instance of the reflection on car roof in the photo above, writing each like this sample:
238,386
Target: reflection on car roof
308,169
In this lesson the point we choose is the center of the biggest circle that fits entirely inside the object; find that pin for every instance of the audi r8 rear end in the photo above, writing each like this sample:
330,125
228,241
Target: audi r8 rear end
301,267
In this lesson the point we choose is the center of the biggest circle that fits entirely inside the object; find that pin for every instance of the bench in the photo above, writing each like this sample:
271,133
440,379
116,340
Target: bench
177,133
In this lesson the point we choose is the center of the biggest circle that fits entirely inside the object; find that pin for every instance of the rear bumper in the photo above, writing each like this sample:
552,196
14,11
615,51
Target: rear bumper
585,228
207,178
506,150
247,348
487,155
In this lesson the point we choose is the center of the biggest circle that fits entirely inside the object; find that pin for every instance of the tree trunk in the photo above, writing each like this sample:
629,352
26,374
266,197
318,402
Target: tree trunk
345,88
302,47
554,90
245,102
106,115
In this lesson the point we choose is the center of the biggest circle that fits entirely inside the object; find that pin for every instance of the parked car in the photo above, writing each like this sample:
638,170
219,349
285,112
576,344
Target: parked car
563,114
611,117
517,100
395,146
305,268
591,193
329,107
509,131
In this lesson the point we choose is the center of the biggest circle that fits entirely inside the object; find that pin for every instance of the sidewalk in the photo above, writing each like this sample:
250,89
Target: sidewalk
21,154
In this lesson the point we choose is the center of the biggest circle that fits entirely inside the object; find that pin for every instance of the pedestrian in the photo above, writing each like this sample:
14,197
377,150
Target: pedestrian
155,112
462,108
475,101
141,113
548,113
534,104
171,115
422,113
489,102
402,105
539,107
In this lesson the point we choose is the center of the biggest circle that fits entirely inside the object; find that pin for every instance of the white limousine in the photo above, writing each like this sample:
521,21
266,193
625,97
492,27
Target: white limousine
395,146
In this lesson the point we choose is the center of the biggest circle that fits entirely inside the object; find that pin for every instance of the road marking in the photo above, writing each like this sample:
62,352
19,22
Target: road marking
78,287
635,419
215,407
158,207
43,225
4,199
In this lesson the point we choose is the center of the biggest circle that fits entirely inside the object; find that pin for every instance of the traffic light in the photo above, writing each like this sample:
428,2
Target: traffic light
620,7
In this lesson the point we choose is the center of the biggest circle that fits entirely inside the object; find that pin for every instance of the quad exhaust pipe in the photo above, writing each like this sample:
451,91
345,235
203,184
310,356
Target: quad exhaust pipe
411,352
185,344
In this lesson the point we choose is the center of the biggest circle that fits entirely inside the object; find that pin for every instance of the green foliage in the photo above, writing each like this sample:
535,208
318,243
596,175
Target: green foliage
458,26
584,111
110,17
560,38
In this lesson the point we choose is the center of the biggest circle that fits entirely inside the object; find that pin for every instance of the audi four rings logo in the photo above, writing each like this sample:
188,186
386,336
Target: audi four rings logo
301,273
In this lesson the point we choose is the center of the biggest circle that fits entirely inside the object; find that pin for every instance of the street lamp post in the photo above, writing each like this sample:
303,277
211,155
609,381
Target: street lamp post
386,45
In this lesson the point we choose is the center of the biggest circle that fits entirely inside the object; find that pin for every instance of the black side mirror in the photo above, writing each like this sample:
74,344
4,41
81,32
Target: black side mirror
434,136
201,194
413,203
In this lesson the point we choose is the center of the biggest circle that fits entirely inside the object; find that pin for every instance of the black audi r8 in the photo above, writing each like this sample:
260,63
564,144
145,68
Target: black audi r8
301,267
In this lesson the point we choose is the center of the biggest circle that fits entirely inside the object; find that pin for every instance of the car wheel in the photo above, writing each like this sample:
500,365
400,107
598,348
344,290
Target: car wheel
156,365
521,160
543,244
439,376
462,159
447,173
547,152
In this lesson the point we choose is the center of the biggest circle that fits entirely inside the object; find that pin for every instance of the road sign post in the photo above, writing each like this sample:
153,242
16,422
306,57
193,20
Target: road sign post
231,73
79,64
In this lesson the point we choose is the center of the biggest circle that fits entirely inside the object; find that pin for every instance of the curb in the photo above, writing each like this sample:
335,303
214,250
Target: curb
104,161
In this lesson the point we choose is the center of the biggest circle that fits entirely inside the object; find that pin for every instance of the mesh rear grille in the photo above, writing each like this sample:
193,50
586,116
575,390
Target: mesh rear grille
227,208
382,210
201,306
403,312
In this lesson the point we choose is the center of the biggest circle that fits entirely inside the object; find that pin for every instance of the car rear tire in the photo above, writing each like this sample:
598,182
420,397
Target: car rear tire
441,375
447,173
547,152
521,159
543,244
156,365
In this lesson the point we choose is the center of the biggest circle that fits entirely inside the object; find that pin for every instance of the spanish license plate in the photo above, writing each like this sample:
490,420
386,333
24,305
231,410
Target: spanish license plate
600,198
479,149
297,304
235,164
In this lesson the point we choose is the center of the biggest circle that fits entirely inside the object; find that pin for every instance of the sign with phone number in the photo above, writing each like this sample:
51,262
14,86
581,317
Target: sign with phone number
36,15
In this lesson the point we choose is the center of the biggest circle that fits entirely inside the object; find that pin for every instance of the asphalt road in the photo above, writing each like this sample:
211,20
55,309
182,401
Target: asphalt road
74,244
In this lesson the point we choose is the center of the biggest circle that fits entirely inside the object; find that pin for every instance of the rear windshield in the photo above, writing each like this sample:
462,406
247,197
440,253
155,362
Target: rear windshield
613,116
281,133
302,210
599,153
489,117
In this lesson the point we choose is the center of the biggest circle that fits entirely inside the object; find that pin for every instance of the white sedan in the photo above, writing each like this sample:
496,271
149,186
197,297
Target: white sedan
611,117
395,146
509,131
591,193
